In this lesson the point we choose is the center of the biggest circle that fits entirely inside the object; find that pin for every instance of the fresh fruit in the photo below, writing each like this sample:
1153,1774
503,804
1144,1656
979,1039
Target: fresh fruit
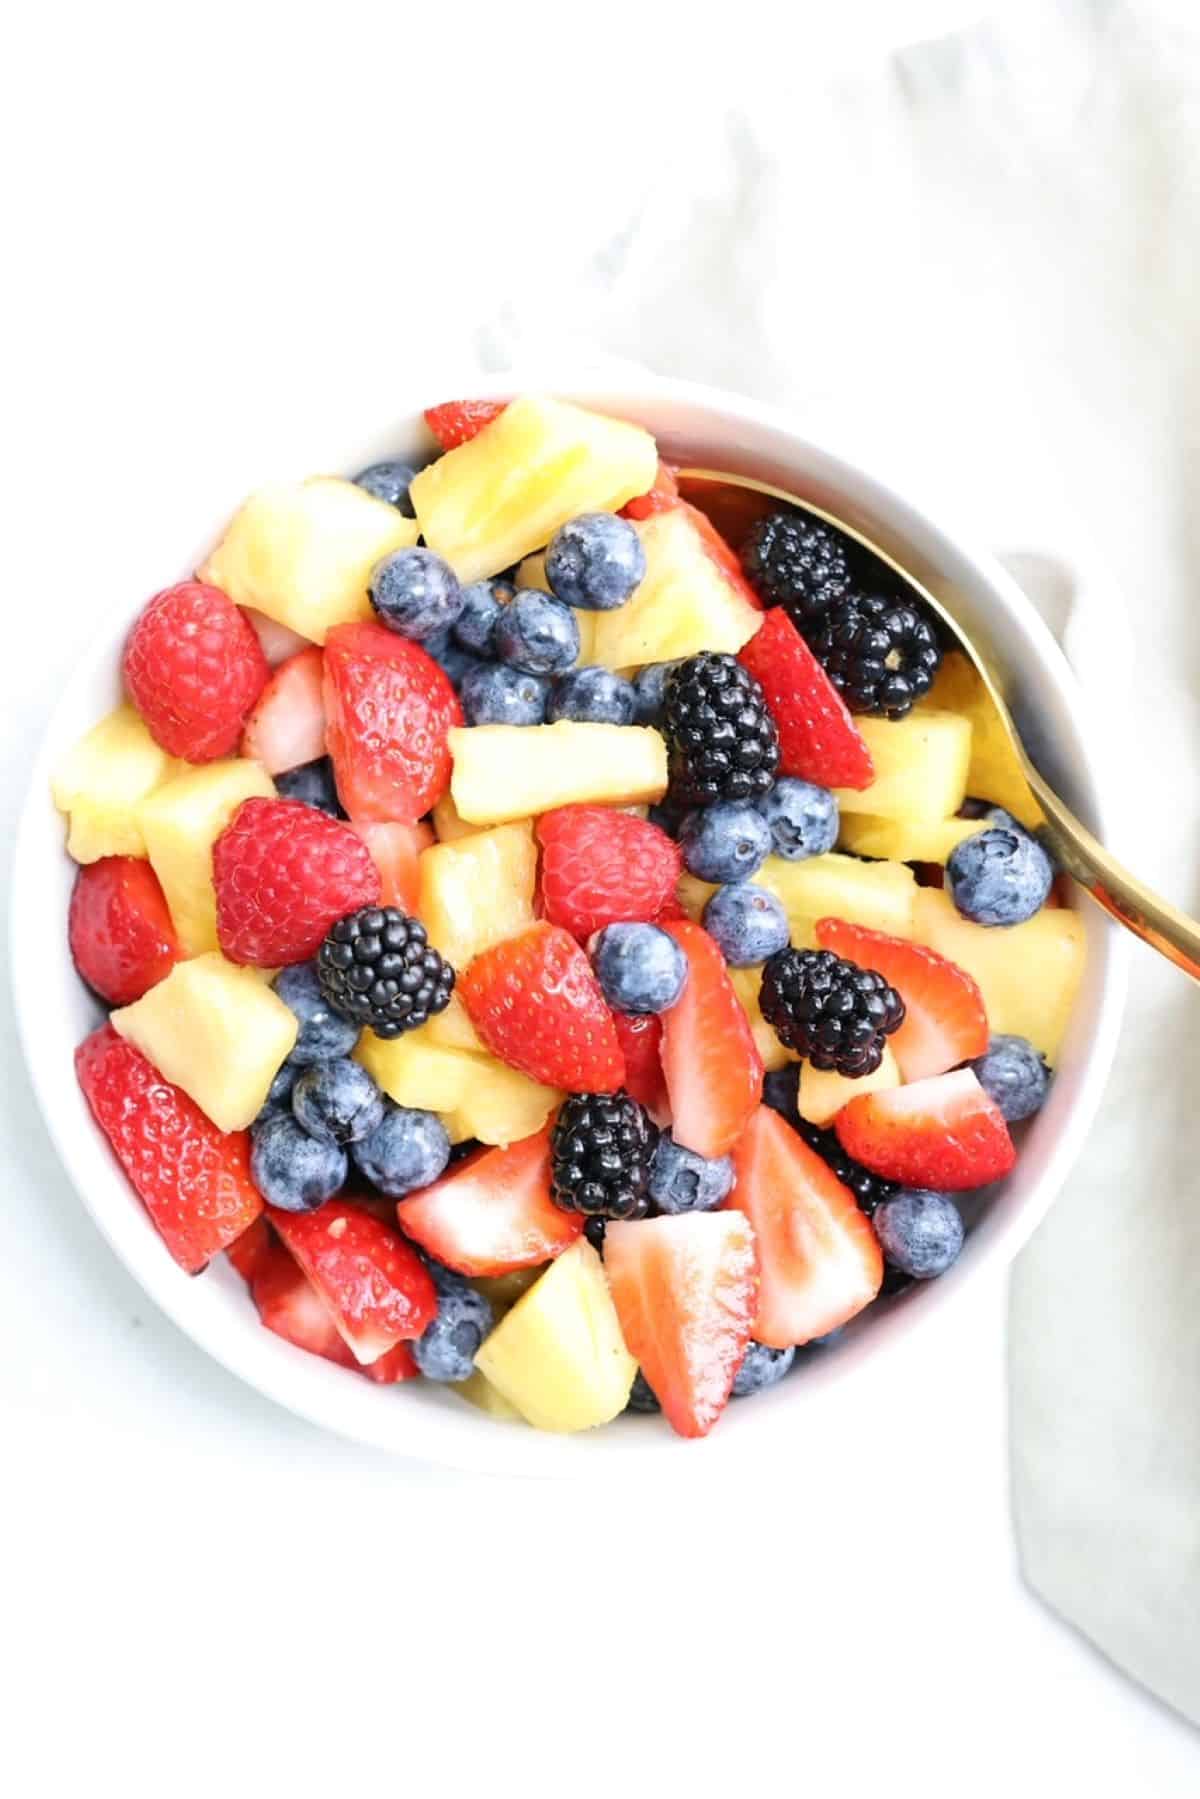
601,867
823,1092
284,873
920,766
761,1367
802,819
798,563
375,1285
458,421
407,1150
682,1181
559,1356
746,984
313,784
290,1306
217,1031
286,727
193,668
389,481
869,1190
818,739
416,594
723,740
278,642
179,822
337,1102
1013,1074
904,839
834,1013
398,1364
492,1212
600,1153
595,561
536,1004
446,1349
639,967
995,771
323,1033
881,653
592,695
488,1399
920,1233
389,710
648,685
302,552
501,1106
819,1262
396,852
531,572
378,967
100,782
293,1171
879,895
253,1249
120,932
640,1038
944,1133
478,889
747,923
495,694
452,1028
684,604
537,634
945,1023
476,1095
1001,876
475,626
685,1290
662,496
713,1071
504,772
418,1073
448,827
726,842
641,1396
200,1198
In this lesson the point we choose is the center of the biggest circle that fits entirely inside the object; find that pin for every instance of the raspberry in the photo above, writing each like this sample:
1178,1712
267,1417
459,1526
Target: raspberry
602,867
194,668
284,874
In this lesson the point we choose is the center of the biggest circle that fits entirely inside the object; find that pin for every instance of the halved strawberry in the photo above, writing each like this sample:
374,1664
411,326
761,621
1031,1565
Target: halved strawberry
120,931
388,711
252,1250
819,1262
640,1037
290,1305
818,739
713,1070
395,850
685,1291
945,1022
456,422
536,1004
287,725
375,1285
493,1212
397,1365
732,510
662,497
943,1133
602,867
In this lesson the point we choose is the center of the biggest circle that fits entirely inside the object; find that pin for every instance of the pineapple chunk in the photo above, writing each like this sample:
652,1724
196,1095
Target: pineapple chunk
559,1356
491,501
1028,973
683,605
99,782
180,821
448,827
489,1399
905,839
921,766
302,552
995,772
694,894
217,1031
746,983
506,772
415,1072
452,1029
501,1106
478,890
823,1093
532,573
502,1291
879,895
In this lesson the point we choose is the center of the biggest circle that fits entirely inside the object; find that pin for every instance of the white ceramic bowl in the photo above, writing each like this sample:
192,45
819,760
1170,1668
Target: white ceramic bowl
693,425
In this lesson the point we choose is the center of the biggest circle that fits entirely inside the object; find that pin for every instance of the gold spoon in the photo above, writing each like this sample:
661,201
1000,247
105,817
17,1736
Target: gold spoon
1163,926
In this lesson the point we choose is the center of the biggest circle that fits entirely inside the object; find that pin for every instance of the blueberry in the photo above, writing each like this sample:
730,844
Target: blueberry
667,816
595,561
312,783
639,967
537,633
415,593
781,1091
389,481
648,691
1014,1075
323,1034
746,923
1001,876
761,1367
641,1396
802,819
592,696
455,662
405,1151
475,627
448,1347
682,1181
337,1102
291,1169
493,694
279,1093
920,1233
996,815
725,842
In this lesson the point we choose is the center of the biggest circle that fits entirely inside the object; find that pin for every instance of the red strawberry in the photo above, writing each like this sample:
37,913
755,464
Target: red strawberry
537,1005
819,1262
662,497
388,710
603,867
641,1045
278,641
252,1250
943,1133
397,1365
290,1305
374,1283
685,1291
492,1212
456,422
284,873
731,510
670,909
945,1022
718,551
194,668
713,1070
193,1179
119,928
287,726
818,739
395,851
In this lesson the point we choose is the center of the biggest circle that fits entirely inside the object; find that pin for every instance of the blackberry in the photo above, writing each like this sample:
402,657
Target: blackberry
881,654
376,967
797,562
723,740
829,1010
601,1151
869,1190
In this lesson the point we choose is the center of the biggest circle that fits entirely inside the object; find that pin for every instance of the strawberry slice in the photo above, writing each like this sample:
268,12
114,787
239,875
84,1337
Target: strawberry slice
731,510
389,709
713,1070
290,1305
456,422
662,497
252,1250
395,851
640,1037
819,1261
277,641
943,1133
818,739
602,867
536,1004
397,1365
287,725
718,551
945,1022
685,1291
374,1284
119,928
493,1212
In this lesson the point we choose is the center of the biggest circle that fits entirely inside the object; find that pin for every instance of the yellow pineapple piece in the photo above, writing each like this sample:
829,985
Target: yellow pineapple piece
746,984
994,773
302,552
491,501
481,1393
879,895
694,894
216,1030
683,605
501,1105
477,890
415,1072
905,839
823,1094
506,772
502,1291
99,782
448,827
921,766
452,1029
532,573
180,821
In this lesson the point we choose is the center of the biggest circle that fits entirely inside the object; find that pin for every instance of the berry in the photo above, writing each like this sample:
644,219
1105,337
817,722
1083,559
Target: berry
475,627
881,654
389,709
194,668
869,1190
641,1397
595,561
406,1151
761,1368
200,1196
313,785
640,1038
682,1181
600,1156
455,662
818,739
283,872
920,1233
458,421
602,867
648,685
662,497
415,593
797,562
119,929
537,633
389,481
378,1290
723,741
1013,1074
802,819
492,1213
337,1102
592,695
292,1170
945,1022
747,923
279,1093
944,1133
286,727
396,852
378,967
494,694
536,1004
781,1091
289,1305
712,1069
324,1034
725,842
446,1349
639,967
1001,876
829,1010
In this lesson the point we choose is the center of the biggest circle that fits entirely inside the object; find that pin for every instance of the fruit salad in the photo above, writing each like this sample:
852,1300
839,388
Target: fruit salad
553,946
